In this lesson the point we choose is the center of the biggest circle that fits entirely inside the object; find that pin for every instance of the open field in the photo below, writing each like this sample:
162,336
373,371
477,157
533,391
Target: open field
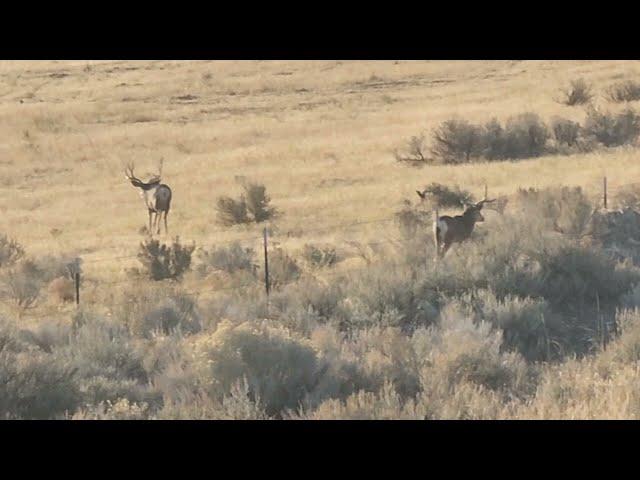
320,136
317,134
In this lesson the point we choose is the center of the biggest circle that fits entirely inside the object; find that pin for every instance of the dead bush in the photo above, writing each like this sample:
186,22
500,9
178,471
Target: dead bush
62,289
10,251
578,93
413,151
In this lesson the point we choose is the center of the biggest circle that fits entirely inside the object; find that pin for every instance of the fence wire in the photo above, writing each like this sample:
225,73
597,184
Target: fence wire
608,192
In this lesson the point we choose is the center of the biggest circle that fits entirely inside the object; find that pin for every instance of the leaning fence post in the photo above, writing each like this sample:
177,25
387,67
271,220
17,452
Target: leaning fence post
77,282
436,243
266,264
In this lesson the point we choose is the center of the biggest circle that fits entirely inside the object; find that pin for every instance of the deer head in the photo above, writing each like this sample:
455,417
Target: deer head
136,182
129,175
473,210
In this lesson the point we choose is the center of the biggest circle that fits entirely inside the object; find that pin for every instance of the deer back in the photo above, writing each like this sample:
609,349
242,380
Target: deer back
162,198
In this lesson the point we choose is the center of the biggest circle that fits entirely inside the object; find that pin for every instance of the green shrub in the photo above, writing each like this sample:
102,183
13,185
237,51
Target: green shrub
253,206
258,202
526,136
628,91
22,284
464,350
280,368
613,130
231,259
495,141
443,196
456,141
565,132
232,212
283,268
33,384
163,261
528,324
564,209
320,256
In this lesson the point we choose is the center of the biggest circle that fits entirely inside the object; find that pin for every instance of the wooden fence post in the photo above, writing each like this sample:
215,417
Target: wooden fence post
266,264
77,281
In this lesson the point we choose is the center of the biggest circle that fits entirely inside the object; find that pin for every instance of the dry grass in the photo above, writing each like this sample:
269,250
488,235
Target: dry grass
319,135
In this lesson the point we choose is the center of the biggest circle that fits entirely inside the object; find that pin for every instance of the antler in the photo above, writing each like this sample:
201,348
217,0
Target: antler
128,171
483,201
157,177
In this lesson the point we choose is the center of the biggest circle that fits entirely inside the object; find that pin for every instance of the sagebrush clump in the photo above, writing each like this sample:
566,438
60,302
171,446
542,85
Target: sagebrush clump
628,91
162,261
254,205
578,93
10,251
613,130
230,259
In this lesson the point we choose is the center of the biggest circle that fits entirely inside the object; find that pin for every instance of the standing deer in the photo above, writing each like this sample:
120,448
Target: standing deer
156,196
449,230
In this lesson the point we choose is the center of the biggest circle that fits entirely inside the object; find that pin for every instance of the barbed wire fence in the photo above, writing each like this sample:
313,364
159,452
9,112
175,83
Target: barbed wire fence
602,198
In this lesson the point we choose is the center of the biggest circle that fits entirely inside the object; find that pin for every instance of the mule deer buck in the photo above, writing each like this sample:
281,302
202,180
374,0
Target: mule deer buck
156,196
449,230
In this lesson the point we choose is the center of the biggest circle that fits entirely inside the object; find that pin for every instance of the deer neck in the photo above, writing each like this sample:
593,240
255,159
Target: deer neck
469,221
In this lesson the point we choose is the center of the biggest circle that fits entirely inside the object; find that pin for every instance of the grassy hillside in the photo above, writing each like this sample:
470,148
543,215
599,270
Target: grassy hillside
320,136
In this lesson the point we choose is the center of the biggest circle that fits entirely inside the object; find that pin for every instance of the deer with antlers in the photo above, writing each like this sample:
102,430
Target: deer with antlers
449,230
156,196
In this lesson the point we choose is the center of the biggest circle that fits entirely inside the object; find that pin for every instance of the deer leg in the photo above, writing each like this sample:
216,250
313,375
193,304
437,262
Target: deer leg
445,248
166,229
150,231
157,224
